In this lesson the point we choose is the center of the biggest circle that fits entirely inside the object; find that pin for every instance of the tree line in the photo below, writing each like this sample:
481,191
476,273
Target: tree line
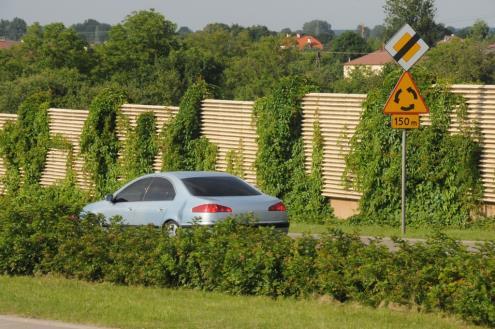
154,62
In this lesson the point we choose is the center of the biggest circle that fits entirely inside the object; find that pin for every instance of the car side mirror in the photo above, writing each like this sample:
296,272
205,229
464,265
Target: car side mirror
109,198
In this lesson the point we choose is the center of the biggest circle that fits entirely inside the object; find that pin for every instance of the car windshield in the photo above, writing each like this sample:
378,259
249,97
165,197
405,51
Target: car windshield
218,186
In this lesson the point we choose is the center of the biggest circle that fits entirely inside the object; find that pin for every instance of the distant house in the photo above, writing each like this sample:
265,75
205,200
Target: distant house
374,62
448,39
308,41
5,44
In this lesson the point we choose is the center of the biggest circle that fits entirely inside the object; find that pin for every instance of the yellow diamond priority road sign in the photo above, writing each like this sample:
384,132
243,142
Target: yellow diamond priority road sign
405,98
406,47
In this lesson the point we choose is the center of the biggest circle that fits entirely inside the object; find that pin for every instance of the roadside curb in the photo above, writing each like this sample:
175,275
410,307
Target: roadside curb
14,322
471,245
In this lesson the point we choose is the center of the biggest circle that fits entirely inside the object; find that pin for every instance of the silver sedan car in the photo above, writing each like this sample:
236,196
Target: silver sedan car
179,199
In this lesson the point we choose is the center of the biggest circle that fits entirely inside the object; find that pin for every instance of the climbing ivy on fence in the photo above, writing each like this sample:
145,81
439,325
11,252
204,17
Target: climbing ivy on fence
443,179
60,142
140,146
235,160
99,142
181,143
24,143
280,157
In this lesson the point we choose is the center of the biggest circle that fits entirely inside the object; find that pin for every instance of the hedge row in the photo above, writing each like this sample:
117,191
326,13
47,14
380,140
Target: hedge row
38,235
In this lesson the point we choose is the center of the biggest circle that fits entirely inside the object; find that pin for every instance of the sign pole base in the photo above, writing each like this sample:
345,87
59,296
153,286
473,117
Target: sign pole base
403,213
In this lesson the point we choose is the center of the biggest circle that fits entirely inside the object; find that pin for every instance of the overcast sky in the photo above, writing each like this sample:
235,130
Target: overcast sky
275,14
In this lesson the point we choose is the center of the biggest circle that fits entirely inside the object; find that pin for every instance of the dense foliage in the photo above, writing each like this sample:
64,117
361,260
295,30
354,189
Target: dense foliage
99,141
24,143
182,146
140,146
153,63
280,157
38,236
443,178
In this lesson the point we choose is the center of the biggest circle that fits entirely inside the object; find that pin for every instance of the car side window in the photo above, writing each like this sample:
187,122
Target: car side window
160,190
135,191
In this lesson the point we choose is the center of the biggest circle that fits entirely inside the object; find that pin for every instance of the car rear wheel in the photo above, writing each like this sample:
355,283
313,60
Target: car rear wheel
170,228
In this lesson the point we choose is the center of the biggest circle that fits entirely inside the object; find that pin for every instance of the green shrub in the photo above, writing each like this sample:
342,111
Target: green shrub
140,147
30,223
37,236
280,157
181,143
99,142
24,143
443,178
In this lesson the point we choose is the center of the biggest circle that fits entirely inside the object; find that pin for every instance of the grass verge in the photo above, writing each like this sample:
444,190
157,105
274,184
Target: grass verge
377,230
139,307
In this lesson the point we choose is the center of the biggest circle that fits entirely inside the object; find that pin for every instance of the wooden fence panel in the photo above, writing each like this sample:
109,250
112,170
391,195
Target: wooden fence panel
338,116
228,124
68,124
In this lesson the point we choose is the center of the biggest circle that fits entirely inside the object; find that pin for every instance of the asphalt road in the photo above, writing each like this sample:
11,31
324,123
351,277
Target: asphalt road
14,322
389,243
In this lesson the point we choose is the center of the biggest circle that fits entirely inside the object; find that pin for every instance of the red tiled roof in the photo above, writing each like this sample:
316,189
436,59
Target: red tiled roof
379,57
308,41
4,44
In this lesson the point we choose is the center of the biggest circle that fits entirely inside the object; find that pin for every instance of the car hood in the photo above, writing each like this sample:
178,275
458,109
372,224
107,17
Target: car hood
94,207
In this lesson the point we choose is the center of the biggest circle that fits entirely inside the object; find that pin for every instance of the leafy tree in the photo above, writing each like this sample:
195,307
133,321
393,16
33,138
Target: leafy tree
420,14
479,31
215,27
463,32
66,87
351,45
220,41
93,31
322,30
166,81
469,58
362,80
13,30
286,31
321,69
55,46
378,31
142,39
254,74
256,32
184,30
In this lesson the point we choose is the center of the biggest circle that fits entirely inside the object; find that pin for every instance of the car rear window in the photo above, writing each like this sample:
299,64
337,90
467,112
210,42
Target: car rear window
218,186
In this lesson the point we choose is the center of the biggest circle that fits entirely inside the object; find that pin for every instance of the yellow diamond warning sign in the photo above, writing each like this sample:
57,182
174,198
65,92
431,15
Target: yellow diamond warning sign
406,47
405,98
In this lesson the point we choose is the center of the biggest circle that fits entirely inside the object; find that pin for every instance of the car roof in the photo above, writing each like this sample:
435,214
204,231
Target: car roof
192,174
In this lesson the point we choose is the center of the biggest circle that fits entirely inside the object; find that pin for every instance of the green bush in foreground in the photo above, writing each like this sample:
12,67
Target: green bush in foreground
38,237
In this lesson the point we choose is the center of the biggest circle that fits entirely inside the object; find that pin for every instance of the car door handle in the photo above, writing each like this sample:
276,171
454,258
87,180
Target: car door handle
130,209
161,209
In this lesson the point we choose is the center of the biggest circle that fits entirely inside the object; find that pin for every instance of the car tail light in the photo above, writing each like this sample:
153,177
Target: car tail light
211,207
277,207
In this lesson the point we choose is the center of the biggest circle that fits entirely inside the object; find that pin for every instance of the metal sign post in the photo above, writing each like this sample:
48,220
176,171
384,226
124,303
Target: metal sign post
405,103
403,205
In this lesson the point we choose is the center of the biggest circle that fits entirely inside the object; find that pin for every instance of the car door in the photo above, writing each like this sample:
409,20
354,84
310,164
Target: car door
126,201
156,202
